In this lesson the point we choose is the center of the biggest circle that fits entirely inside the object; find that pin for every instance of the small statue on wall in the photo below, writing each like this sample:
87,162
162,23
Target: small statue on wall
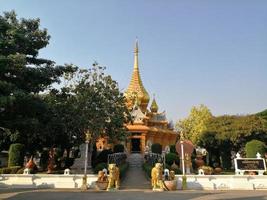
114,177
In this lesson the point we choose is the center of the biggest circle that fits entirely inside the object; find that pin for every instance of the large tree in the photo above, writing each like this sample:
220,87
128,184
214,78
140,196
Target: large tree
97,105
23,75
226,133
193,125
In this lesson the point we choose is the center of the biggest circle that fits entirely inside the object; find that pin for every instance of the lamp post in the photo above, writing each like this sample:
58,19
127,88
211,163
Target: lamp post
88,137
184,184
182,150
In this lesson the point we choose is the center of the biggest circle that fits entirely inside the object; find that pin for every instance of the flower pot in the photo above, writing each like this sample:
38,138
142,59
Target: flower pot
101,185
199,162
170,185
217,170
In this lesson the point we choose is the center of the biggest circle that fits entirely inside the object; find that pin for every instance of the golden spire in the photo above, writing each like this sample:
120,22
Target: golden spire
136,91
154,106
136,51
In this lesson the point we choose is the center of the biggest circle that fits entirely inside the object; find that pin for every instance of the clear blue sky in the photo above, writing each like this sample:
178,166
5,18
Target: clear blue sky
191,52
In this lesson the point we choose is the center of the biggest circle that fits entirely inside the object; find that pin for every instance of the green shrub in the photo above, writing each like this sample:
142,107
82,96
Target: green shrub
44,159
172,157
147,168
254,146
156,148
9,170
123,169
177,171
20,171
173,149
100,167
68,162
118,148
16,155
102,157
226,160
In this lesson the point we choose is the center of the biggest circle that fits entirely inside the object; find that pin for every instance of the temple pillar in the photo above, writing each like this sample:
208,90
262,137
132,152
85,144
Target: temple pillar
143,142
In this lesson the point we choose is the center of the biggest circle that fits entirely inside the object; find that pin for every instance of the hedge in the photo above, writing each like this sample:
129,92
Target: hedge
147,168
9,170
123,169
118,148
16,155
173,149
172,157
156,148
100,167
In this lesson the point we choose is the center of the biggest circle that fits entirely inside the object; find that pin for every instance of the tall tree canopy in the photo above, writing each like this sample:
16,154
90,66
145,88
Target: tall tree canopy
193,126
22,76
34,113
97,104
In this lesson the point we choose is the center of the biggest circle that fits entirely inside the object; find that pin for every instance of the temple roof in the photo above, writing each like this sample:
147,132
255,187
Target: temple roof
136,91
137,115
159,117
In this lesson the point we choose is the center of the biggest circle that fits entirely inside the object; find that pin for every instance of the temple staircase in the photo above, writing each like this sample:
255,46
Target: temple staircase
135,160
135,178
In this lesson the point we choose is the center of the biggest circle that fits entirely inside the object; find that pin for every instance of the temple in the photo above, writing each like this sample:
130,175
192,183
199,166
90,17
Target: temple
149,125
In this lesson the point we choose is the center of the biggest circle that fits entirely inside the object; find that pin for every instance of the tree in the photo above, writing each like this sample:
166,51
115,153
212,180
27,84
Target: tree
253,147
224,134
195,123
89,101
23,75
263,115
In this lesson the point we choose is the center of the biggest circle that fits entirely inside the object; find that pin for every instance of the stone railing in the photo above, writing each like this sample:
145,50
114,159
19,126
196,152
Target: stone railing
223,182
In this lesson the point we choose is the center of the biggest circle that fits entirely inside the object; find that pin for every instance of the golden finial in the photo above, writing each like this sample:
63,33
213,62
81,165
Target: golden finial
154,106
136,51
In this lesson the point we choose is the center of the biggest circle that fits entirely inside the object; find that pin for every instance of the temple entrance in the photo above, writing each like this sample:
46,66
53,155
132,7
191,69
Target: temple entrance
136,145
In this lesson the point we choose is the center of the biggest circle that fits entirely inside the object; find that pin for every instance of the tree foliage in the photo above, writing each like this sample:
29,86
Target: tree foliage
23,75
253,147
37,115
230,133
195,123
96,104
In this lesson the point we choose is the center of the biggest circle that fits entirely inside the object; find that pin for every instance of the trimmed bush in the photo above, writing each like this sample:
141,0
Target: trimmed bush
44,159
177,171
253,147
16,155
118,148
10,170
173,149
147,168
100,167
226,160
68,162
172,157
123,169
103,157
156,148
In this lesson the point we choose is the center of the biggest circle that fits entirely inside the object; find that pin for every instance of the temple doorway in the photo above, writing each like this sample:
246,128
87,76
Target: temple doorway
136,143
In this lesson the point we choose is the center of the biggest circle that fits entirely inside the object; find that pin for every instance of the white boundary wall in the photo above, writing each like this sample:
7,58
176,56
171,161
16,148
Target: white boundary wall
44,181
224,182
194,182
